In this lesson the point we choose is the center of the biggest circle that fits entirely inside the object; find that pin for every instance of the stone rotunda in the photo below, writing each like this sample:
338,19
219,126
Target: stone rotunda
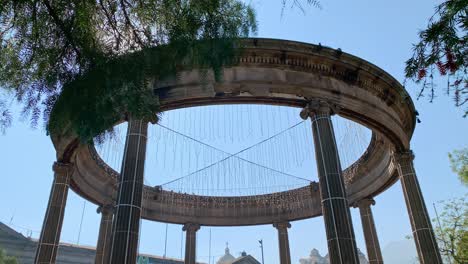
319,81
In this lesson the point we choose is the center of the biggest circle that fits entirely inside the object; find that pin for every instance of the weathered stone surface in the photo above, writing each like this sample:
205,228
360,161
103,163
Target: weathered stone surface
426,243
274,72
283,242
370,233
126,224
52,227
191,242
335,207
105,234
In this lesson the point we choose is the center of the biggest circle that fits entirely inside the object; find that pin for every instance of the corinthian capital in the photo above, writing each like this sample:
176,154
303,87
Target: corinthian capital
366,202
105,209
403,156
317,107
62,171
282,225
191,227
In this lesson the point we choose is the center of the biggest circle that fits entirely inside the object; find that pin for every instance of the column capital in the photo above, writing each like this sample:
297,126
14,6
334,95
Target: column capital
62,172
62,168
148,119
403,156
153,119
318,106
282,225
191,227
105,209
366,202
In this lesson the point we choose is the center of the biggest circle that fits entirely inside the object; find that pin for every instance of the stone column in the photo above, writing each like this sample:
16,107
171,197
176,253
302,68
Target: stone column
126,223
335,209
426,244
191,242
105,234
283,241
370,233
51,228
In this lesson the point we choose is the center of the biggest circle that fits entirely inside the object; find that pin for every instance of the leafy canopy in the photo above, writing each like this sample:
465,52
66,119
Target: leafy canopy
459,162
102,54
451,229
4,259
442,50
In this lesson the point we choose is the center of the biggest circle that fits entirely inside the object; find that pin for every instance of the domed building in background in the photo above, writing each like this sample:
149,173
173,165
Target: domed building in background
244,258
316,258
227,258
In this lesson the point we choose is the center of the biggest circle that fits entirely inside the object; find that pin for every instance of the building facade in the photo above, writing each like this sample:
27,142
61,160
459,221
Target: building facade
24,249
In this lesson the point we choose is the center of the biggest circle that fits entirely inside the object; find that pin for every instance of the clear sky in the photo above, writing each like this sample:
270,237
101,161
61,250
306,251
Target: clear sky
378,31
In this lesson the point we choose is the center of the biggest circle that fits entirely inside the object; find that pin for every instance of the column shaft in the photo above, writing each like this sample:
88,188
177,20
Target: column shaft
283,242
191,243
105,235
126,224
335,209
51,228
370,233
426,244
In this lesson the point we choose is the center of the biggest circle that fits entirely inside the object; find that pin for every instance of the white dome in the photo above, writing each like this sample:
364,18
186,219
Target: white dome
227,258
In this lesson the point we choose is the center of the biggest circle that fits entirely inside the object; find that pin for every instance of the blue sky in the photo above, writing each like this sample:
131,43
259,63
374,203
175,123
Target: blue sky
378,31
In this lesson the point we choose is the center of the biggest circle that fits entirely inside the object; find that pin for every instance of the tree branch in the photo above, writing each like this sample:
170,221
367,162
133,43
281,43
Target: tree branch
62,27
130,24
111,23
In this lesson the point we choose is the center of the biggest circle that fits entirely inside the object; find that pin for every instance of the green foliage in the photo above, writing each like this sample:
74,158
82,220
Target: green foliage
442,50
5,117
459,163
4,259
299,3
124,85
451,229
103,54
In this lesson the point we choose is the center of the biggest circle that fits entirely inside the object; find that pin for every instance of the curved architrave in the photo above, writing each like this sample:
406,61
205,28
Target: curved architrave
98,183
280,73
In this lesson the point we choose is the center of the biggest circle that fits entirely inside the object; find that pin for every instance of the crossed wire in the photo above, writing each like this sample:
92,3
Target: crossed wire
230,155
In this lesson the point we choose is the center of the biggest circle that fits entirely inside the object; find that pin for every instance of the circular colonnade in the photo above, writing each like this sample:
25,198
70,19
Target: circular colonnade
321,81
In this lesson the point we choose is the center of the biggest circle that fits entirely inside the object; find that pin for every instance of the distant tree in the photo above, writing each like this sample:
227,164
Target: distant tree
451,229
4,259
459,163
443,50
